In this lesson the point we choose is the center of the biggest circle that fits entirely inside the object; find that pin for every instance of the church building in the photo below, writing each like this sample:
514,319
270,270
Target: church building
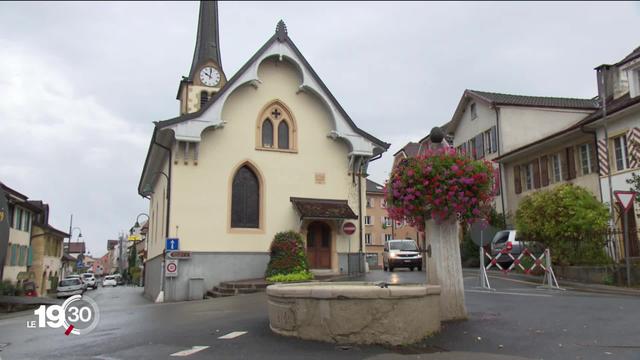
267,150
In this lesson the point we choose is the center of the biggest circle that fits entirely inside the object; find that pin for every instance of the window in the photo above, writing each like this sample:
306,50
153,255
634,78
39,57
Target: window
283,135
367,220
267,134
22,256
245,199
620,152
276,128
27,222
585,158
472,148
386,221
367,239
383,203
556,168
204,97
18,219
528,176
487,141
387,237
14,255
369,202
474,114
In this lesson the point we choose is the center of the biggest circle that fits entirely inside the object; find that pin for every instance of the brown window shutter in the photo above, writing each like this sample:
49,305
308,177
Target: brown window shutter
536,174
564,164
544,170
516,179
571,163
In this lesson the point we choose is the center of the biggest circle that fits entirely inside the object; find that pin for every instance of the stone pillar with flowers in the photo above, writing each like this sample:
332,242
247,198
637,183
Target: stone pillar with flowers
438,192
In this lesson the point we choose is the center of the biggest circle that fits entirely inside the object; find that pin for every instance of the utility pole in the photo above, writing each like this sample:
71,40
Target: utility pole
120,253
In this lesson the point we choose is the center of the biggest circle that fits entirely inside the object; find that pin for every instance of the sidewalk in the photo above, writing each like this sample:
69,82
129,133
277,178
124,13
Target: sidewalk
566,284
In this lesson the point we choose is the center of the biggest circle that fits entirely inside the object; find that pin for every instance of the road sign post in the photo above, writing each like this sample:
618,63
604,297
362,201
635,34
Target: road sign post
625,198
172,244
171,268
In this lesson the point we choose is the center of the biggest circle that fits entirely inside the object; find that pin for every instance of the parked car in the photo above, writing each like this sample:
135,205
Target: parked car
90,280
119,279
512,243
109,280
76,276
70,286
401,253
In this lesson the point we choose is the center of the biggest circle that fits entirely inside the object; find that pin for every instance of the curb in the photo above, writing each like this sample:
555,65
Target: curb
570,285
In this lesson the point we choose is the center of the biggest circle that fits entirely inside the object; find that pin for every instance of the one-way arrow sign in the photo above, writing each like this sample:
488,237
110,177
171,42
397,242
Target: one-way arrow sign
173,244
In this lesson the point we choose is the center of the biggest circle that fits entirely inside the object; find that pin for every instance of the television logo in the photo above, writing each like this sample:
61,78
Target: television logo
77,315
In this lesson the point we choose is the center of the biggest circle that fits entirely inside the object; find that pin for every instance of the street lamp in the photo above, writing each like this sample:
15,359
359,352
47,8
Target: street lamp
79,234
137,224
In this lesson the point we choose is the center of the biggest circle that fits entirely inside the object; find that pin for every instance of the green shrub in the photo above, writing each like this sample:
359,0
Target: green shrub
7,288
565,219
287,255
299,276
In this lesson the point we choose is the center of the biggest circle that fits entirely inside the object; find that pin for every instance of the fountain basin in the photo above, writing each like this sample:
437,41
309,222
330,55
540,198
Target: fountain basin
355,312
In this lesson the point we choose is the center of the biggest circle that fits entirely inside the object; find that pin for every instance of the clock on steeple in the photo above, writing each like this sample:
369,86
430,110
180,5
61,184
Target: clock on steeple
206,76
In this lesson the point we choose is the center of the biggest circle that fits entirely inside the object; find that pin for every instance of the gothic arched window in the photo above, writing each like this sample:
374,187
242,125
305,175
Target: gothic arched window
204,97
283,135
245,199
276,119
267,134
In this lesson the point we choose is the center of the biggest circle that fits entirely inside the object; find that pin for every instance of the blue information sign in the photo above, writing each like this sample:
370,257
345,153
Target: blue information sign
173,244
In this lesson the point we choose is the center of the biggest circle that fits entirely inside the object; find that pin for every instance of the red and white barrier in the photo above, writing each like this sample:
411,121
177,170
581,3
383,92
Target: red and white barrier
543,262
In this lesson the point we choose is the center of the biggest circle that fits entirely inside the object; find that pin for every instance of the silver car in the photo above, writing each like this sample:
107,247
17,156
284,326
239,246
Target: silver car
70,286
401,253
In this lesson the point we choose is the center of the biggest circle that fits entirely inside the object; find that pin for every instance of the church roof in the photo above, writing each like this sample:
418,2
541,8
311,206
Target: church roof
208,38
280,35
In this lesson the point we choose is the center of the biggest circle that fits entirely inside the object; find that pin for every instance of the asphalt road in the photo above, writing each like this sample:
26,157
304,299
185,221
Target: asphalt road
516,321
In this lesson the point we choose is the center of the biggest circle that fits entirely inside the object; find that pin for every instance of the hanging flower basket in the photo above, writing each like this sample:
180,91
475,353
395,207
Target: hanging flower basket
440,185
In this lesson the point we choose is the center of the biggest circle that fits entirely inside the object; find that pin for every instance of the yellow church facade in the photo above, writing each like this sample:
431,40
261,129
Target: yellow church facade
268,150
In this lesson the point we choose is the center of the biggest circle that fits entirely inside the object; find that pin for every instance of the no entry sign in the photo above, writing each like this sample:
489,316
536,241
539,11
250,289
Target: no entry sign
349,228
171,268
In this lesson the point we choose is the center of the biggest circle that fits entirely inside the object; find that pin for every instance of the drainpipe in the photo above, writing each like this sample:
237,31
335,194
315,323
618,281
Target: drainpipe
500,168
602,71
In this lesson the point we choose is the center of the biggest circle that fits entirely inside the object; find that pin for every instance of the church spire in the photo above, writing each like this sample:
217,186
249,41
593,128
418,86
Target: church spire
208,40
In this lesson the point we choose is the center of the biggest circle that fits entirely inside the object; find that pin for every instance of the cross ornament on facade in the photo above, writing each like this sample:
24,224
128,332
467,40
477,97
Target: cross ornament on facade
276,113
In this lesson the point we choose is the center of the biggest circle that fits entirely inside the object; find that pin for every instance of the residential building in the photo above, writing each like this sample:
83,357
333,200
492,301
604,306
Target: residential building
268,150
621,139
15,250
47,249
378,226
486,125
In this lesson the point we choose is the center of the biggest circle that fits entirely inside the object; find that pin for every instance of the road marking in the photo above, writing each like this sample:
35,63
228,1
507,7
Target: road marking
105,357
507,293
193,350
232,335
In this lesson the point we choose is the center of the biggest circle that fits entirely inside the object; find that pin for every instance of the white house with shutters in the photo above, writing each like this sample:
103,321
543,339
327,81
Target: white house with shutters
488,125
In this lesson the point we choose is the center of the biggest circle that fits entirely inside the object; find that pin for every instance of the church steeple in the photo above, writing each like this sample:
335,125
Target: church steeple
208,39
206,76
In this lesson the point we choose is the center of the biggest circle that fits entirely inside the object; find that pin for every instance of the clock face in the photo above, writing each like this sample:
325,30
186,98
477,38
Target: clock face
209,76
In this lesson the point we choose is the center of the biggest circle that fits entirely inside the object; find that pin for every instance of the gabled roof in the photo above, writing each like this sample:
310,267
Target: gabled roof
374,187
613,106
280,35
535,101
76,247
495,100
410,150
632,56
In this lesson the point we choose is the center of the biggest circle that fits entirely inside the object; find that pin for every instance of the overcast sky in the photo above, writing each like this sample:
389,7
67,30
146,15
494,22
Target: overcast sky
81,83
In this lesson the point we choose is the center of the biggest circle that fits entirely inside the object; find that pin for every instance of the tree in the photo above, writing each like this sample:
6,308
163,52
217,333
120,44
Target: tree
569,220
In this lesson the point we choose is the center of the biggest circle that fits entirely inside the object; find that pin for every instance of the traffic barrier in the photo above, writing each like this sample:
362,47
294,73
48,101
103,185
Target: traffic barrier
543,262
